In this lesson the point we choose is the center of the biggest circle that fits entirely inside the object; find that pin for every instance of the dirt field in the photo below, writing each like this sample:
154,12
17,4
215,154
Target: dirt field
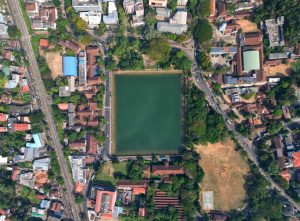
41,177
247,26
54,61
284,69
224,174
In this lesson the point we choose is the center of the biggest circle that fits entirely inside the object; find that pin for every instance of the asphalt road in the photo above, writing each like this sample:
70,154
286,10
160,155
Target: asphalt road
36,80
217,105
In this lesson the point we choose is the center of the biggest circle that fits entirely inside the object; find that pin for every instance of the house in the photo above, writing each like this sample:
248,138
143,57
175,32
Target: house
42,164
32,9
79,169
223,50
112,17
296,159
71,114
158,3
212,8
130,190
274,29
176,25
163,170
79,187
78,145
70,66
88,114
45,19
91,145
39,213
221,8
3,117
86,5
250,38
92,53
21,127
82,68
229,28
44,44
38,141
92,18
26,178
3,30
105,203
129,6
163,14
70,45
182,3
63,106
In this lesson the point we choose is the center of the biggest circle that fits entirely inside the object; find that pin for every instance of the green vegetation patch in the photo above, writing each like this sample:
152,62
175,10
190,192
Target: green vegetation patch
147,113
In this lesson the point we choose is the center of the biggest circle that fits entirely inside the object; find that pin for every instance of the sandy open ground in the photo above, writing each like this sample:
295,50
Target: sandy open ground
278,70
54,61
247,26
224,171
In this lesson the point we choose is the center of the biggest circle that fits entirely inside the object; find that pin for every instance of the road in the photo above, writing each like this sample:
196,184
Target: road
217,105
45,103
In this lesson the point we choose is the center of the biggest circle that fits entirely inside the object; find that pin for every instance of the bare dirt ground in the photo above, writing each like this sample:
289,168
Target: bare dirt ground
224,171
41,177
247,26
277,71
54,61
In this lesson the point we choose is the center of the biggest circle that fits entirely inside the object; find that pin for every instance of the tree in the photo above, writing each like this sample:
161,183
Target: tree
85,39
14,32
56,3
158,49
205,62
101,29
150,17
135,169
172,4
248,95
202,31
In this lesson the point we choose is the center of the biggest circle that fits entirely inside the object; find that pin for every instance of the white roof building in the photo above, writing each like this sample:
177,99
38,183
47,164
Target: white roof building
42,164
93,19
112,17
176,25
86,5
3,160
79,168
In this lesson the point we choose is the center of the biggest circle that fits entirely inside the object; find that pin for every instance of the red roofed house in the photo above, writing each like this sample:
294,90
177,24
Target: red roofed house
3,117
105,203
22,127
79,187
40,196
25,89
91,145
163,170
132,189
32,9
63,106
15,174
212,8
78,145
3,129
142,212
88,114
44,44
296,159
286,175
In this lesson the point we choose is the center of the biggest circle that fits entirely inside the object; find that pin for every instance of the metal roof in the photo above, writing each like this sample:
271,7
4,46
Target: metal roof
70,66
251,60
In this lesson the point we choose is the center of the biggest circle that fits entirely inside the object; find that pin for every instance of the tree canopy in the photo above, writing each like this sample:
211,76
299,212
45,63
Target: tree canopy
202,31
158,49
14,32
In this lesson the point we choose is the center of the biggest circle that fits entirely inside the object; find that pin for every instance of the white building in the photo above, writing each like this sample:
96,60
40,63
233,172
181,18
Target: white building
112,17
92,18
86,5
79,168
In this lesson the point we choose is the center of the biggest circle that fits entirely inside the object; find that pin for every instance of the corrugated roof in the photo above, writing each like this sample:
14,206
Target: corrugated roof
70,66
251,60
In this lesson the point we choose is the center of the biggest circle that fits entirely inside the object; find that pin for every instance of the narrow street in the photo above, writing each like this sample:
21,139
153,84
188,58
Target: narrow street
70,205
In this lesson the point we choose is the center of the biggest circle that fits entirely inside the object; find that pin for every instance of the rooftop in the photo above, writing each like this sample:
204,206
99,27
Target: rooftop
251,60
70,66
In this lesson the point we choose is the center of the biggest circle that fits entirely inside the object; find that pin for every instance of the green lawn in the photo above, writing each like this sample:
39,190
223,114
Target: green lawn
107,171
147,114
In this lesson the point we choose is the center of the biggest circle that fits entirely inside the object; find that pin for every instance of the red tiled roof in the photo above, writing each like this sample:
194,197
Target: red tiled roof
25,89
79,187
63,106
167,169
31,6
91,144
56,206
22,127
40,196
286,175
3,117
77,145
99,201
253,38
44,43
142,212
212,7
15,174
296,159
139,190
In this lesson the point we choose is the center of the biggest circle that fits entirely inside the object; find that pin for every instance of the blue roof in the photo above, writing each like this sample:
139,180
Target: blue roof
70,66
37,141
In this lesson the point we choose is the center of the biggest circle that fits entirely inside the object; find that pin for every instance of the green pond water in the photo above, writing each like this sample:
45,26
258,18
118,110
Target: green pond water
147,114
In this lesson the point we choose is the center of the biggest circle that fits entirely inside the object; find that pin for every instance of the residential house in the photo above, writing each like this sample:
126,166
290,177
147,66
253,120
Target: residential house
20,127
70,45
112,17
3,27
163,14
158,3
128,190
88,114
91,145
274,29
71,114
32,9
92,18
26,178
176,25
79,145
82,68
79,169
45,19
44,44
92,53
42,164
86,5
165,171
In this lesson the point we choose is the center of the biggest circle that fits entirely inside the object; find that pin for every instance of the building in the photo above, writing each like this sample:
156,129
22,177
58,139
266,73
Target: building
38,141
87,115
251,61
163,14
91,145
101,203
158,3
250,38
163,170
176,25
70,45
70,66
44,44
20,127
92,53
79,169
86,5
42,164
128,190
92,18
112,17
274,29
